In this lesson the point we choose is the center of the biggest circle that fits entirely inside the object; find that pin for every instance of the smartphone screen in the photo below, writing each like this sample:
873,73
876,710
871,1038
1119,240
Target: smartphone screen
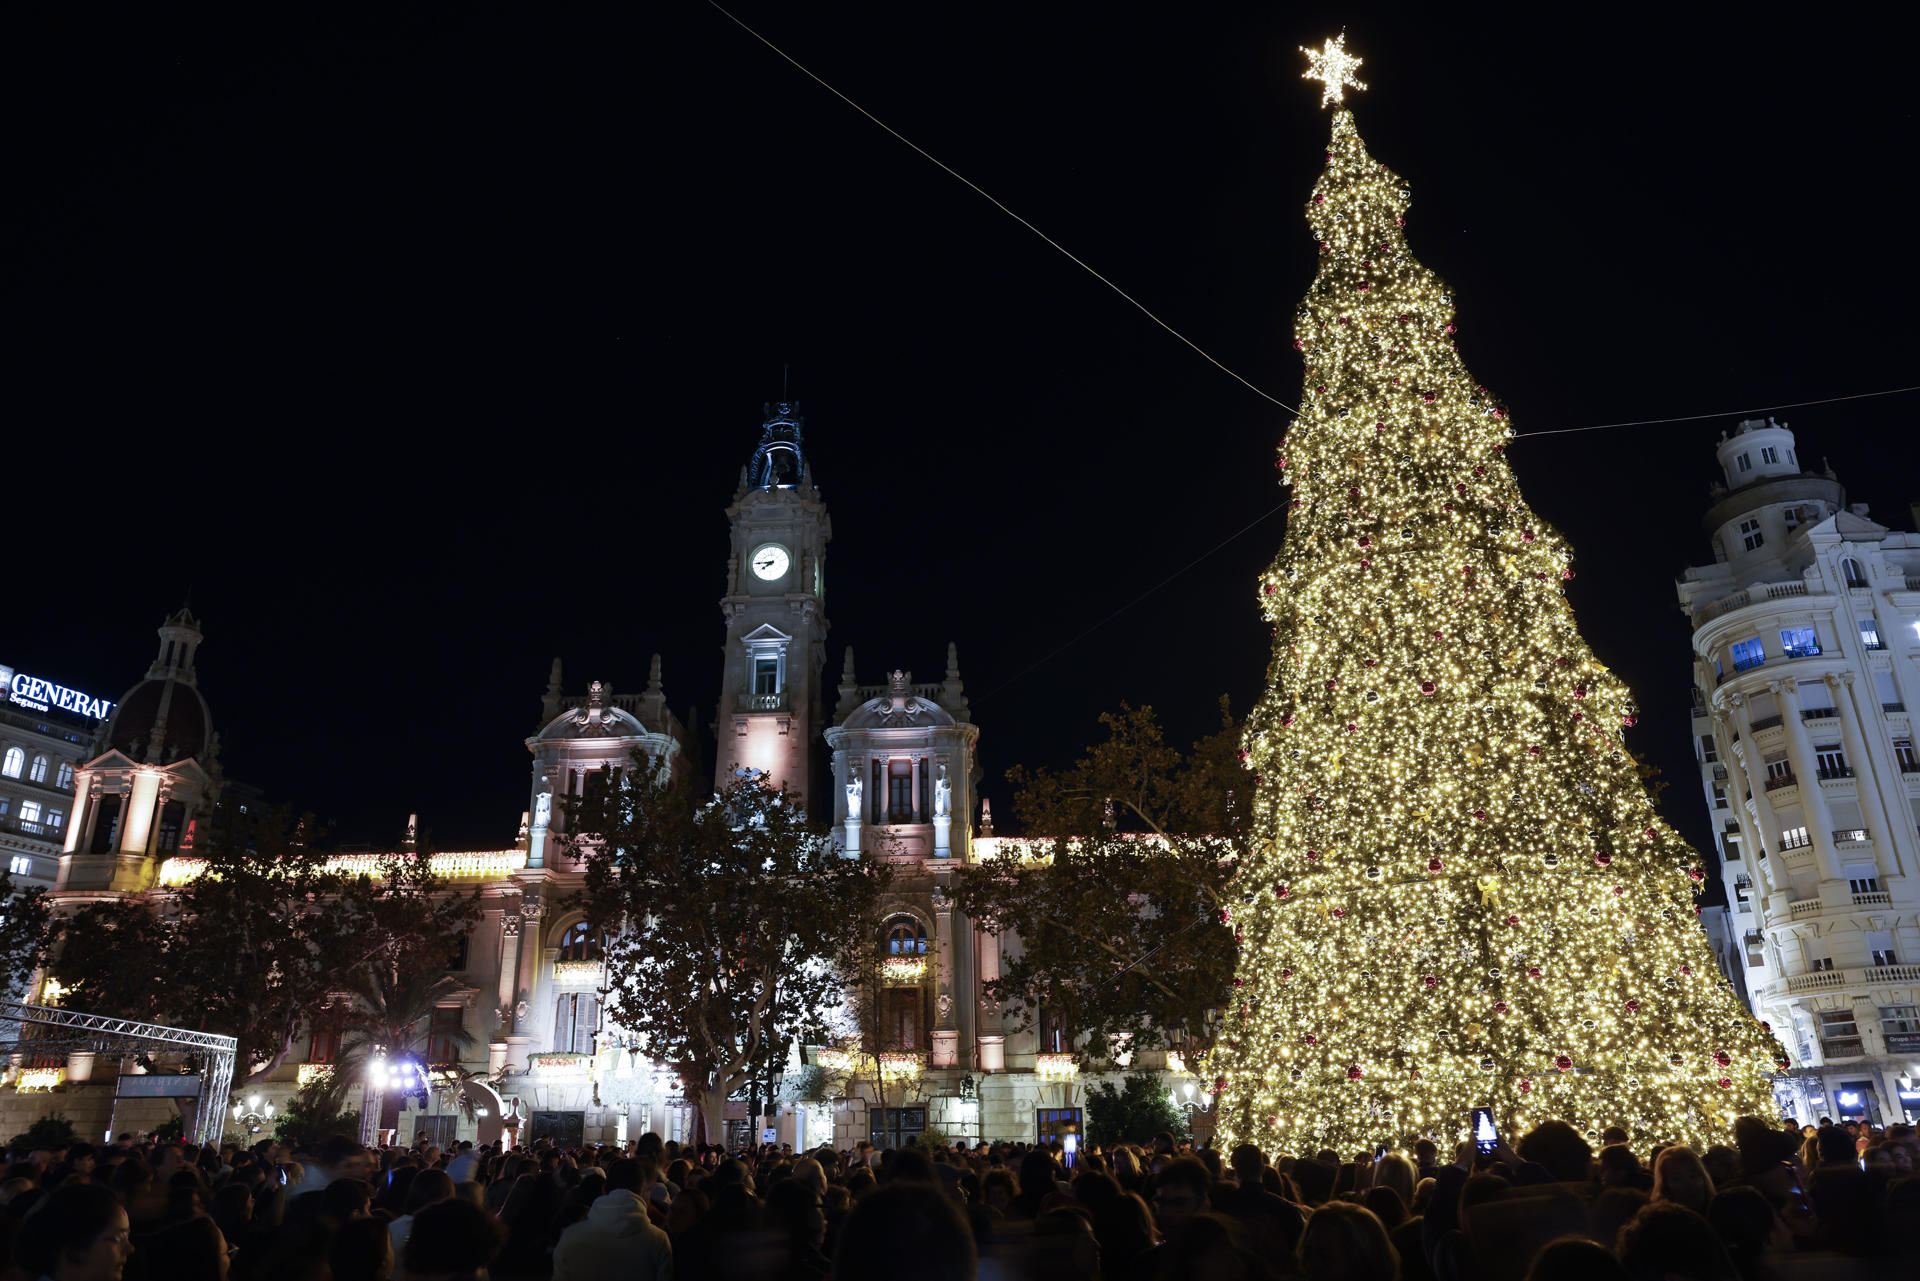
1486,1136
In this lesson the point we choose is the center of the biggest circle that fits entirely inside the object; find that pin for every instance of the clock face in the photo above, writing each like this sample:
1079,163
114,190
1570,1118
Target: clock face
769,562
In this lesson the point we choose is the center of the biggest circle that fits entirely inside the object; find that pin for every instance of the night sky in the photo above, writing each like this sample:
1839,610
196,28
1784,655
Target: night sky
426,346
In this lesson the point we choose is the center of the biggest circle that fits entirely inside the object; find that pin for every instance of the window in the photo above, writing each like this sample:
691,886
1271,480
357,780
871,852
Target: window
1793,838
1883,956
1863,878
1870,634
457,959
1888,692
1904,756
29,811
905,937
1792,517
6,805
1851,571
325,1045
1900,1020
39,772
1742,890
1719,797
1743,463
55,818
901,1015
900,791
1837,1023
1831,760
766,676
444,1035
21,865
1748,654
1756,949
64,780
1750,535
14,762
1799,642
1769,454
574,1019
1708,753
1779,771
579,943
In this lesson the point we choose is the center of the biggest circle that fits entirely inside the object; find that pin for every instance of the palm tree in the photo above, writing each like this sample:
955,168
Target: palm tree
390,1016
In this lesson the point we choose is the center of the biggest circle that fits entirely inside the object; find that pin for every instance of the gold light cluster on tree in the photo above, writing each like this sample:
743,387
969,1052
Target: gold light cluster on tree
1465,897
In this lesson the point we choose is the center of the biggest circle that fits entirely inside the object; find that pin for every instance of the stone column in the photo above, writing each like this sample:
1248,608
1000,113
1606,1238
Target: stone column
946,1038
1893,832
82,816
1806,769
1752,776
993,1042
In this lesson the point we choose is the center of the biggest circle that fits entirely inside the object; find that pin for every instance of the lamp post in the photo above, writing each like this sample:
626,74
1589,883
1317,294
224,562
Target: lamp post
253,1113
1191,1108
970,1105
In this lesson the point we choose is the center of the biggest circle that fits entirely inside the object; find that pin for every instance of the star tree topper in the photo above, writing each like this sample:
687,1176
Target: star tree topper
1332,66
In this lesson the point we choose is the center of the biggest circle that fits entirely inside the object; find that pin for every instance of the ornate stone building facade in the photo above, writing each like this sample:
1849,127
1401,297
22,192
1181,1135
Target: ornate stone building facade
1807,660
904,780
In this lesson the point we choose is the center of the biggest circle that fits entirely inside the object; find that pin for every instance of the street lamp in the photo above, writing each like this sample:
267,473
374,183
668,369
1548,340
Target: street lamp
970,1105
1189,1105
254,1114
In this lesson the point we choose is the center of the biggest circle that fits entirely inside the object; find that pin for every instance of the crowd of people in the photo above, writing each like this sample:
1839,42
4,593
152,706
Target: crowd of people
1830,1203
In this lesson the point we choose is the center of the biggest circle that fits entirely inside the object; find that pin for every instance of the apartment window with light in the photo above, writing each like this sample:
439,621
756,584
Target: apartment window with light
1756,948
64,780
444,1034
29,811
1793,838
1750,535
900,791
1748,654
1900,1020
766,676
39,772
21,865
1870,634
574,1018
1904,756
1799,642
13,763
905,937
55,818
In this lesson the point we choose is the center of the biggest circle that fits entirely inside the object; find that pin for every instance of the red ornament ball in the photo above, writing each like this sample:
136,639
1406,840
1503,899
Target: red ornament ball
1427,687
1526,1085
1339,913
1271,589
1563,1062
1686,969
1512,921
1433,866
1726,1083
1286,974
1603,858
1533,971
1365,541
1299,344
1332,685
1696,874
1286,891
1286,721
1619,889
1273,1123
1526,535
1353,1072
1432,981
1566,573
1499,1007
1722,1058
1429,396
1312,1039
1633,1007
1534,750
1481,815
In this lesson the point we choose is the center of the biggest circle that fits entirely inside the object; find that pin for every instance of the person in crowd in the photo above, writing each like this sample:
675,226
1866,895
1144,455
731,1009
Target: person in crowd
452,1240
75,1233
1667,1242
1575,1259
617,1239
1346,1242
1680,1177
906,1221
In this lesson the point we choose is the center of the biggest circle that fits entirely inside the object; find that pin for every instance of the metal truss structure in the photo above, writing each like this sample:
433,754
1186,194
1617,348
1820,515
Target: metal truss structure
40,1029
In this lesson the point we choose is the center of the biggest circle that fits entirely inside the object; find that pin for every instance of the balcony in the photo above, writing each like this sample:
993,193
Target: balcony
1819,713
1803,907
1893,707
1871,899
1851,836
764,702
10,823
1766,723
1777,781
1817,981
1829,773
1841,1047
1894,974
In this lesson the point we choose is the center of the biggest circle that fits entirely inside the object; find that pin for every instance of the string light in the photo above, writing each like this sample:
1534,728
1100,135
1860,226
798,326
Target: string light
1463,895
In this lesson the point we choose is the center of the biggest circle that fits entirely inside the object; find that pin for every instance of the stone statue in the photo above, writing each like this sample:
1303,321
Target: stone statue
853,800
543,809
942,795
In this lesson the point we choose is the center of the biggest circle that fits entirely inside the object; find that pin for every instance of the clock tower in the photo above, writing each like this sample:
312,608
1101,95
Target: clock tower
775,654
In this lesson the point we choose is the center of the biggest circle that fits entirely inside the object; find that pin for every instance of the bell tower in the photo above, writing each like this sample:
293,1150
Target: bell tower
775,653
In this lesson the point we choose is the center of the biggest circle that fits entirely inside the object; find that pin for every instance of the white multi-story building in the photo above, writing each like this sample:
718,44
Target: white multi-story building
47,731
1807,657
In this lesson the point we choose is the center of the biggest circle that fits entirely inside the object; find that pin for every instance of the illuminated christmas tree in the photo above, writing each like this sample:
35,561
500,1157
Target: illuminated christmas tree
1465,897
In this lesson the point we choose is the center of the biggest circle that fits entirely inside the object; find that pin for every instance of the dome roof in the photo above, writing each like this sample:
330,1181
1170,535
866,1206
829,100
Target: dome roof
187,730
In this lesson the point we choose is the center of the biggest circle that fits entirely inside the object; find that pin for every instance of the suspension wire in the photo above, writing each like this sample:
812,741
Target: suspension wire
1079,262
1731,413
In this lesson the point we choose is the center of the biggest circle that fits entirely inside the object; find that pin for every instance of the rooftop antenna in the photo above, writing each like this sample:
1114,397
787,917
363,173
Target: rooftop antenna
785,369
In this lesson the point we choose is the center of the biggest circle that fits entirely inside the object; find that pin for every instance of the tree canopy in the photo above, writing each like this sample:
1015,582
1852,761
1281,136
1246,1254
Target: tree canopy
1121,900
257,944
722,917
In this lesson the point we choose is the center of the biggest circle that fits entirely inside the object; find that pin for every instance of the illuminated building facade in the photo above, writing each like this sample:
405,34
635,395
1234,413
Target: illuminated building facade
1807,658
47,732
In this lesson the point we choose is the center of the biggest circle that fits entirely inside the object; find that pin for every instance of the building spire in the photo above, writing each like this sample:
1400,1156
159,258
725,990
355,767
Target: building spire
779,462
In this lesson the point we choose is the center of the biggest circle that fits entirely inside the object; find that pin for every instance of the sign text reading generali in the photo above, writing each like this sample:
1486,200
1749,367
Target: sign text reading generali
44,695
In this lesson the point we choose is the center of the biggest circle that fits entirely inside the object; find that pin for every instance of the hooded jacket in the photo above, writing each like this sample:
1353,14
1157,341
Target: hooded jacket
615,1242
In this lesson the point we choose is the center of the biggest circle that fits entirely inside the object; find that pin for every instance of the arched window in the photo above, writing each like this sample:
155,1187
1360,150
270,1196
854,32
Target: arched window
905,937
66,775
1850,569
14,762
579,943
39,771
